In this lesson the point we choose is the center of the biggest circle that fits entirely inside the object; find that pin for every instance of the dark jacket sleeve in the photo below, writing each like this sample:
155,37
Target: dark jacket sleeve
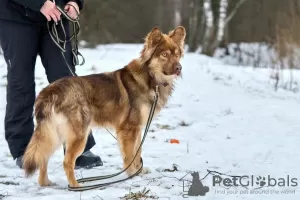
79,2
32,4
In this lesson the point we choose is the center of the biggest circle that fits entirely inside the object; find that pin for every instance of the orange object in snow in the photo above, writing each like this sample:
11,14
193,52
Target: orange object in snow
172,141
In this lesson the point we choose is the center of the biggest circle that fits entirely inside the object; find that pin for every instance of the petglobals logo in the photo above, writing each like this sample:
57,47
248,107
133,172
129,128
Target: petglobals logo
254,181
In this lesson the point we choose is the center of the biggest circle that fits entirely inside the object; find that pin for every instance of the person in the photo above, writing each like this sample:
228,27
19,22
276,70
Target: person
24,36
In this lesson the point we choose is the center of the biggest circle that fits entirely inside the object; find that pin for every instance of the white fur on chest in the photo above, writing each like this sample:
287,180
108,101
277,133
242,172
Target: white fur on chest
145,111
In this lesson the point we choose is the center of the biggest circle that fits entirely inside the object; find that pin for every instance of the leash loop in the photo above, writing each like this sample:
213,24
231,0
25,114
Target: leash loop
62,42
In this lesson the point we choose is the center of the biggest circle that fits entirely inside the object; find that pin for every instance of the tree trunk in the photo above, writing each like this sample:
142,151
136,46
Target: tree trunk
193,25
177,13
209,19
221,26
213,42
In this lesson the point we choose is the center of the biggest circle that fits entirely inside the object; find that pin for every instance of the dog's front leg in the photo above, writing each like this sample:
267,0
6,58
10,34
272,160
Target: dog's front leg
137,161
127,138
138,146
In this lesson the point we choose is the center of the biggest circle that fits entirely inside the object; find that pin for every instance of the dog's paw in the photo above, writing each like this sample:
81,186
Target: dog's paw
145,170
131,171
46,183
75,185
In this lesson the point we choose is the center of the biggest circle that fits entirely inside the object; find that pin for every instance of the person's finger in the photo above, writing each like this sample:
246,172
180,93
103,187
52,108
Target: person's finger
67,7
75,10
48,17
53,16
57,14
72,13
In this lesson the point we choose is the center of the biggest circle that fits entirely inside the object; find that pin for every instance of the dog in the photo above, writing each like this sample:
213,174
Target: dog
67,109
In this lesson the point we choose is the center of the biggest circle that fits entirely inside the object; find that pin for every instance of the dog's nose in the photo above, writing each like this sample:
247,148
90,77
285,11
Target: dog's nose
178,67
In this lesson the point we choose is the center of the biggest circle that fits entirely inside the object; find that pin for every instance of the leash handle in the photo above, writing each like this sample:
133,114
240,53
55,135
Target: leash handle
61,43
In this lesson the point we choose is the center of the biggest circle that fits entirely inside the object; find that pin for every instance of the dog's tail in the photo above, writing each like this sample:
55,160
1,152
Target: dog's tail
39,149
44,139
45,102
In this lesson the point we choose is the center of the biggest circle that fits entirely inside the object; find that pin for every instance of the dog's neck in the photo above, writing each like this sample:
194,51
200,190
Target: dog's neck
150,78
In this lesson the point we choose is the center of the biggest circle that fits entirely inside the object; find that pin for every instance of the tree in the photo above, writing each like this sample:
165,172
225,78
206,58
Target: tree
195,26
214,34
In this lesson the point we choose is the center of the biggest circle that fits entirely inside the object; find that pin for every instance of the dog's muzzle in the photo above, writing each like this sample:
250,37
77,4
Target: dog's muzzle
178,69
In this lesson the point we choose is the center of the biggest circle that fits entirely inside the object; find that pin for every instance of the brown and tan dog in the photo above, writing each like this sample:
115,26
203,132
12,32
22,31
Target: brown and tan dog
67,109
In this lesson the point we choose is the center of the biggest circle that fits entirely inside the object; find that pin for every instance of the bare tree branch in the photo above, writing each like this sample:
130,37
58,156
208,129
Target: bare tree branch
231,15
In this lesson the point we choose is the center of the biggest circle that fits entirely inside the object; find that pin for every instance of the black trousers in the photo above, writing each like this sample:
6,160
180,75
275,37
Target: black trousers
21,43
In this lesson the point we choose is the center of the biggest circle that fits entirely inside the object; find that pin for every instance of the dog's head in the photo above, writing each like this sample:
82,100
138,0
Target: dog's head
163,53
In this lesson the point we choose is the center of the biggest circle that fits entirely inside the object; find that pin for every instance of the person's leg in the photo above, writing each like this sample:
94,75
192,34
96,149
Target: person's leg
20,46
56,68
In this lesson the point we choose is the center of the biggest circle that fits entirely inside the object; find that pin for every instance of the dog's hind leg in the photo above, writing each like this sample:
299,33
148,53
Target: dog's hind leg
75,144
127,138
50,129
74,147
43,176
42,145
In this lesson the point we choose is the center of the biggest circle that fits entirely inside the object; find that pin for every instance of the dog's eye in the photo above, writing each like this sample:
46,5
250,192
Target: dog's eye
164,54
177,55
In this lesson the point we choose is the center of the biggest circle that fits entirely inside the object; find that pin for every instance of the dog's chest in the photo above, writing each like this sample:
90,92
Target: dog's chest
145,107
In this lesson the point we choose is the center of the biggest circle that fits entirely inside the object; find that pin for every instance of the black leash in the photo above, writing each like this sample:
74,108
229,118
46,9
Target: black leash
61,44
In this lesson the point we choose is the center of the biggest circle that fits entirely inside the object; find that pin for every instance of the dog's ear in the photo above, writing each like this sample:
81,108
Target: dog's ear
154,37
178,35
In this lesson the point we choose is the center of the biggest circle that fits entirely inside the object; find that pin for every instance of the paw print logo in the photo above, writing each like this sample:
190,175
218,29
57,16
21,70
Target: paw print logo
261,181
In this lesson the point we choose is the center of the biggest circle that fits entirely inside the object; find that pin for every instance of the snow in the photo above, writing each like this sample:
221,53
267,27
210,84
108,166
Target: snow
234,123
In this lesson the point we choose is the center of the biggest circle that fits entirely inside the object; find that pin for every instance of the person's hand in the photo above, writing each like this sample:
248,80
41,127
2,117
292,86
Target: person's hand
70,9
50,11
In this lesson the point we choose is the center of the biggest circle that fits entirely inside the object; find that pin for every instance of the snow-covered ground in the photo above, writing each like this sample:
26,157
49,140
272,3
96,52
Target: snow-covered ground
227,118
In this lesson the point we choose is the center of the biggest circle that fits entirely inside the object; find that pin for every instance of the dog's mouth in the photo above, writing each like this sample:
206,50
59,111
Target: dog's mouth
175,70
176,73
178,69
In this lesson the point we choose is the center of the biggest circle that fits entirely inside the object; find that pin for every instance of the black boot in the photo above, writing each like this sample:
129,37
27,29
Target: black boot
86,160
19,161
